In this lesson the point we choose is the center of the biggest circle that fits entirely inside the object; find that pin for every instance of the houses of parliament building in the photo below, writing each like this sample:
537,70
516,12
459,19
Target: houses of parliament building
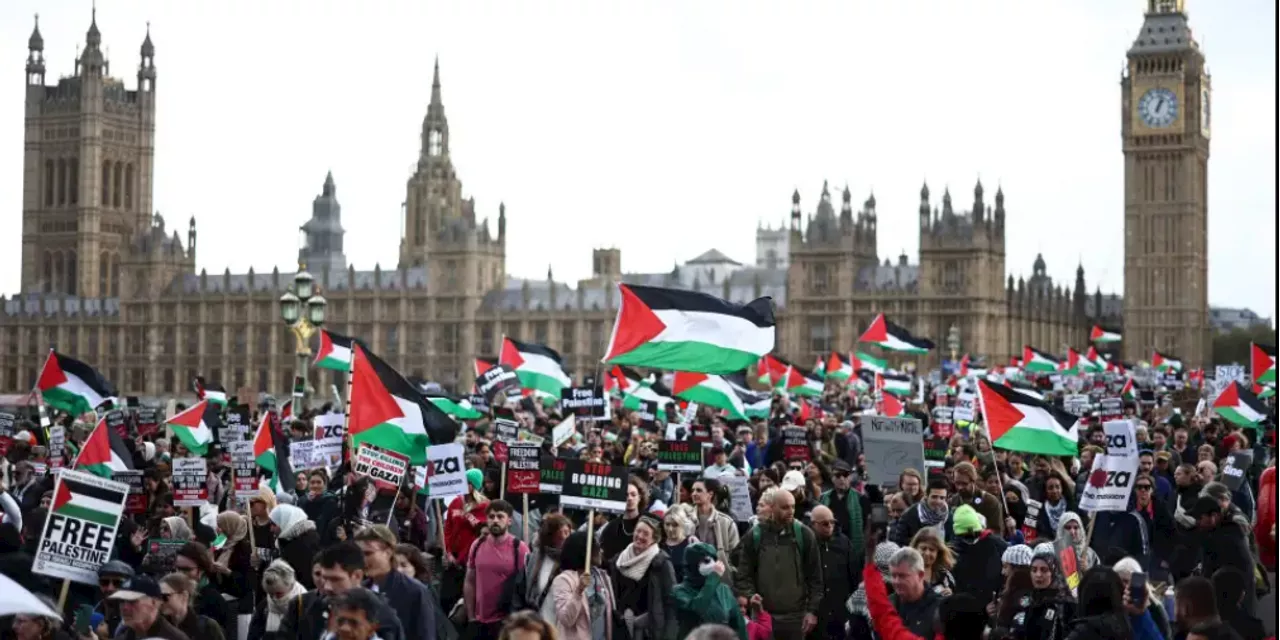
107,281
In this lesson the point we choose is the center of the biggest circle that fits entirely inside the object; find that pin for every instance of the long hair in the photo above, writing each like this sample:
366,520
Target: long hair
1018,583
550,528
528,621
1100,593
929,536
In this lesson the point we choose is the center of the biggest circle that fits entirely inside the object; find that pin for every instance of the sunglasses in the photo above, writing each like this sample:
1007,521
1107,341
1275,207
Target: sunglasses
842,474
1143,487
110,582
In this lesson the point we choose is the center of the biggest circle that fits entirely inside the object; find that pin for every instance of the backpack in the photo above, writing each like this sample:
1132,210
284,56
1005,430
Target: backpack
513,589
795,528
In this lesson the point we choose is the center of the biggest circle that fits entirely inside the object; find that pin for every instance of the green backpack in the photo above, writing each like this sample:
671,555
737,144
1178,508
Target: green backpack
796,529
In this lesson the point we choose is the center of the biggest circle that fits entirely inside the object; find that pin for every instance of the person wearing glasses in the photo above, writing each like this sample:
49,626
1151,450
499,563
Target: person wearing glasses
194,561
176,591
110,577
841,573
1147,532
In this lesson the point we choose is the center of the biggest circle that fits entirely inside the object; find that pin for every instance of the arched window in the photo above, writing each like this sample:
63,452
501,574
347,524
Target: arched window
117,177
62,181
46,284
106,183
49,179
104,274
128,187
72,274
73,180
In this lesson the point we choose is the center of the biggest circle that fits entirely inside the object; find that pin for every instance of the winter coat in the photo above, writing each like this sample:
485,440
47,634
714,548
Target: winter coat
978,565
786,573
661,579
1106,627
888,624
462,527
309,613
573,612
298,546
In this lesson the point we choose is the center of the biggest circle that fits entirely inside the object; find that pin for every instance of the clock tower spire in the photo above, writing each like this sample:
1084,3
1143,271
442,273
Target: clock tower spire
1165,127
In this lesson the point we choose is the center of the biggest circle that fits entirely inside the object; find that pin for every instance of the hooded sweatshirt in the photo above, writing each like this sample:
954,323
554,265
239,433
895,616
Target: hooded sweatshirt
702,599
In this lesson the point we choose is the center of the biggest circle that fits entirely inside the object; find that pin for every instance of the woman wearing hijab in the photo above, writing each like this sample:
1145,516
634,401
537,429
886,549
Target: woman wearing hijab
1071,533
702,597
236,557
1100,612
644,580
297,540
1045,611
580,609
282,588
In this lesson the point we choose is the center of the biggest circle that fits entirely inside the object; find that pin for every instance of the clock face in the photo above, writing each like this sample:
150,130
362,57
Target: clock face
1158,108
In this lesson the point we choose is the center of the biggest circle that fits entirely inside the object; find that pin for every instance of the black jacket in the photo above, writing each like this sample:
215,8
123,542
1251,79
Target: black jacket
209,603
1225,546
1109,627
199,627
978,565
661,604
909,524
310,625
411,601
841,574
299,551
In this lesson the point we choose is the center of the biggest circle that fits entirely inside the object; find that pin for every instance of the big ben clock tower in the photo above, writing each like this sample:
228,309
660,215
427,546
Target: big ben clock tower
1165,127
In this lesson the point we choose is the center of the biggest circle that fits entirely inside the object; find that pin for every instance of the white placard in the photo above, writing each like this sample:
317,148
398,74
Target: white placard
564,431
80,529
327,450
964,404
1110,483
740,506
300,454
446,471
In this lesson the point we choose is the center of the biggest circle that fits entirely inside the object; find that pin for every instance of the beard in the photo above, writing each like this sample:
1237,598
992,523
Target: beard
496,530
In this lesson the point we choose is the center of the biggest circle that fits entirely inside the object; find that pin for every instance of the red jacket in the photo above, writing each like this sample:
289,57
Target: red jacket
1266,518
887,622
461,528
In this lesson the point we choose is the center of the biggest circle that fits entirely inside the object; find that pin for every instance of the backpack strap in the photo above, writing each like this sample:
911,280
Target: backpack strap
796,530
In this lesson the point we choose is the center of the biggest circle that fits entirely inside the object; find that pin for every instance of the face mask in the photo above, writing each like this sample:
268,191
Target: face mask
707,567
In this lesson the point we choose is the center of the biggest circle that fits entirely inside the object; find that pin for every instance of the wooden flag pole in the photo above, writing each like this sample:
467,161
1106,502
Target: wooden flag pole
591,534
524,521
62,595
502,490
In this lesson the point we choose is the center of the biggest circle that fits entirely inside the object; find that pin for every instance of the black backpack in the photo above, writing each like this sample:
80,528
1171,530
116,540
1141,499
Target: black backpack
514,589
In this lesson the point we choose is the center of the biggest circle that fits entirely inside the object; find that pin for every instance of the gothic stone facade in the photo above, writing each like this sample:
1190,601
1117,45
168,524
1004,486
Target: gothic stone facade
104,281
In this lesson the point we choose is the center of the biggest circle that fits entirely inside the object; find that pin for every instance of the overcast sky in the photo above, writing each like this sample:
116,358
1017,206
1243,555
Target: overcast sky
664,128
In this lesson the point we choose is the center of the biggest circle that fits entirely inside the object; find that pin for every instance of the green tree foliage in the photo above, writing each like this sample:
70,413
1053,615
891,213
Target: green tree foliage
1233,346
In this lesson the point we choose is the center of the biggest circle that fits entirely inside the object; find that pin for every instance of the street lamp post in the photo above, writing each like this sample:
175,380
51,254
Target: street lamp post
953,342
302,308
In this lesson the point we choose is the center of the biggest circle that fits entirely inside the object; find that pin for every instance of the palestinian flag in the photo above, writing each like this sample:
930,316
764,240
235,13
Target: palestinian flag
756,404
195,426
887,403
1103,335
386,411
820,368
482,365
1095,362
770,369
891,337
1027,389
1264,391
1017,422
647,389
968,370
104,452
689,331
271,452
1078,365
211,391
839,366
894,384
538,367
802,383
1161,362
1128,393
334,352
460,409
1262,363
286,411
1039,361
71,386
1239,406
864,362
90,499
710,390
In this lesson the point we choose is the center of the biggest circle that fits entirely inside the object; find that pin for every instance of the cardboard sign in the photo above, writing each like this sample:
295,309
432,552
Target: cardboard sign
246,470
300,454
80,529
795,443
964,407
679,456
57,446
385,468
446,471
505,427
564,431
585,403
891,445
327,450
138,500
551,474
190,488
1111,480
740,506
1031,523
523,472
592,485
647,411
498,379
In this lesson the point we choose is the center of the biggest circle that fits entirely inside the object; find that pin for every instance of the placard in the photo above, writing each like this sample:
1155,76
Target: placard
1031,523
942,422
138,500
1233,473
147,421
446,471
328,437
80,529
500,378
385,468
246,470
8,422
479,402
564,431
190,487
505,427
1111,480
740,506
891,445
57,446
116,422
300,455
585,403
1111,408
551,475
523,472
964,407
680,456
795,443
647,412
236,425
1076,404
592,485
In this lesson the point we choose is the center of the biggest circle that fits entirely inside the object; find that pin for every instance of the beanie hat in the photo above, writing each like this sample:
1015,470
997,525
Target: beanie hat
967,521
1045,548
884,551
96,619
475,478
1018,555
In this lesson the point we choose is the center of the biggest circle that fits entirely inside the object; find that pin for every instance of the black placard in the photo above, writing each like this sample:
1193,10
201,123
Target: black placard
648,413
138,499
505,427
147,421
236,425
585,403
524,473
551,476
479,402
116,422
592,485
500,378
795,443
680,456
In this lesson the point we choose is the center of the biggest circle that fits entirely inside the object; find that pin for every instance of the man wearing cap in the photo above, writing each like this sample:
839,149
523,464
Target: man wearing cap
1222,541
849,508
110,576
139,599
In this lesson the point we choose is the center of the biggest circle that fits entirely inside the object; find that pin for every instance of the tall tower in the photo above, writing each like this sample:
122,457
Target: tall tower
87,166
323,233
434,191
1165,128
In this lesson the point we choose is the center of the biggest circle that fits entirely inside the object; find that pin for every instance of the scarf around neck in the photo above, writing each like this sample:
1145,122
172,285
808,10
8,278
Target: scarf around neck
1055,511
634,565
929,517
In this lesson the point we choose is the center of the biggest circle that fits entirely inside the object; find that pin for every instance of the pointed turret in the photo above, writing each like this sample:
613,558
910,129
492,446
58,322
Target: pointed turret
92,62
999,214
946,203
795,209
35,43
502,222
435,126
435,85
147,67
35,55
924,206
148,48
846,208
978,205
328,190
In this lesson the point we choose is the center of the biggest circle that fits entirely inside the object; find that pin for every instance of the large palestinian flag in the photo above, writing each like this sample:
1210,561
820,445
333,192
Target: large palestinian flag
195,426
1163,363
801,383
689,331
898,385
538,367
1262,363
839,366
1037,361
647,389
89,499
386,411
711,390
104,452
1104,335
72,386
334,352
891,337
1239,406
271,452
1018,422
